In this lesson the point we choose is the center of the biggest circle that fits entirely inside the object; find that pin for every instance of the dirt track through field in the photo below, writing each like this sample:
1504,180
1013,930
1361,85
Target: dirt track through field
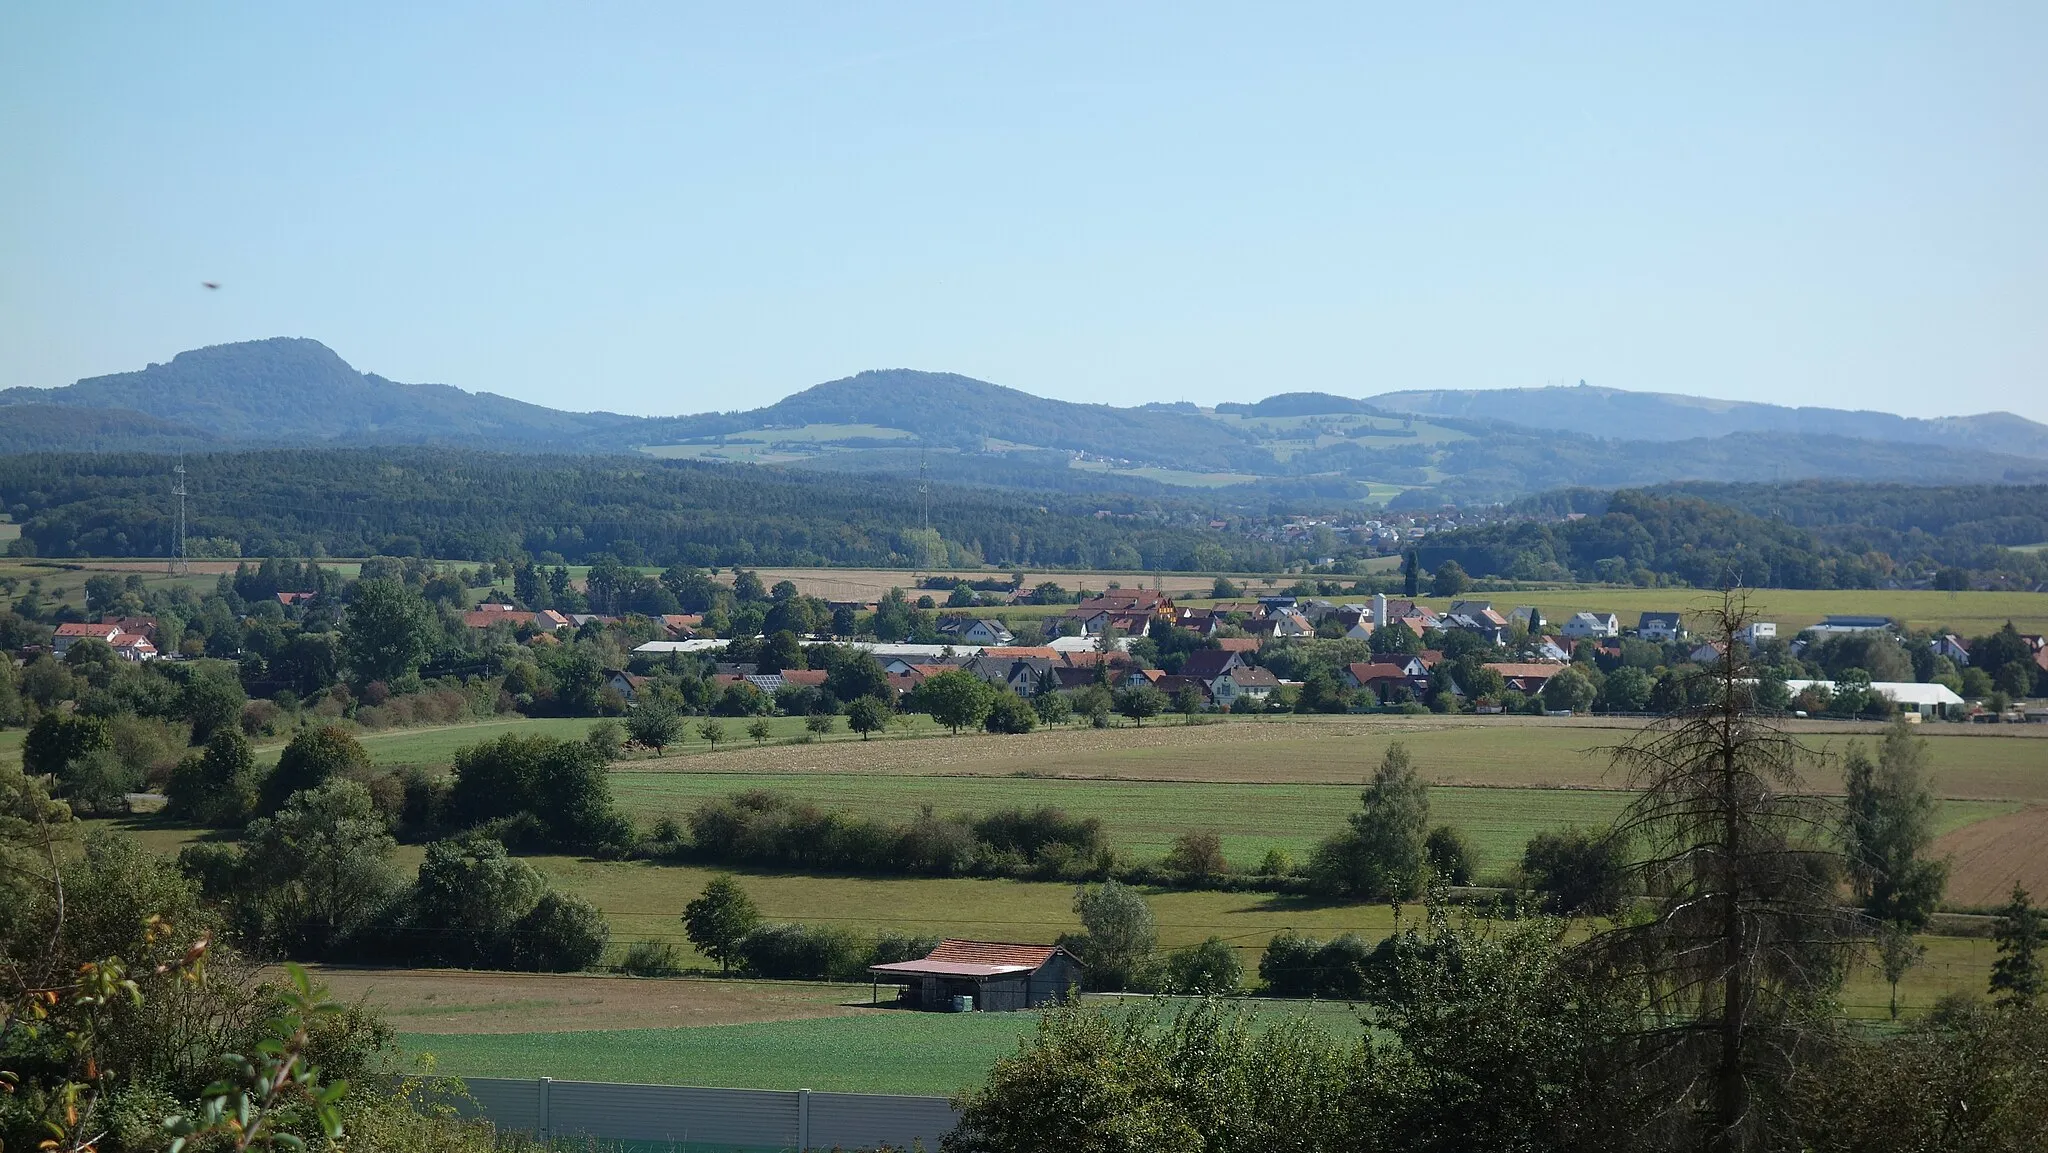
1990,855
460,1001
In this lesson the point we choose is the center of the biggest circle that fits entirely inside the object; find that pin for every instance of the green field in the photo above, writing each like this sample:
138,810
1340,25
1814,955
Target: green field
864,1053
1143,818
1182,477
871,1053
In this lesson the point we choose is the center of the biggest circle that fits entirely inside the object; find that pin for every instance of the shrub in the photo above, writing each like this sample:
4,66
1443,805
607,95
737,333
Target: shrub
311,759
562,933
1449,854
98,782
651,959
1010,713
217,787
1577,871
1197,856
804,952
1209,968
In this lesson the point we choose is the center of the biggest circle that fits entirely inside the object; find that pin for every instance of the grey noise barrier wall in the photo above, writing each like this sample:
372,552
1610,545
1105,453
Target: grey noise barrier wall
680,1119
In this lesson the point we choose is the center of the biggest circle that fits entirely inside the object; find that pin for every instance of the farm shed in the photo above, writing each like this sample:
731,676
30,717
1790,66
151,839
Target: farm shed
999,976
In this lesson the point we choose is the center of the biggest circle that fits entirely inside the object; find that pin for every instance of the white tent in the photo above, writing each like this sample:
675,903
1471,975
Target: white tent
1926,699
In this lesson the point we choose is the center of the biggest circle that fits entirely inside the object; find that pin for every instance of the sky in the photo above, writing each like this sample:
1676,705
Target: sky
672,208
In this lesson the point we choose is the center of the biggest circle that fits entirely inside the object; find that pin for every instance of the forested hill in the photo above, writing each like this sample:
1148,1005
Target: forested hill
458,504
1820,535
1622,415
288,391
956,411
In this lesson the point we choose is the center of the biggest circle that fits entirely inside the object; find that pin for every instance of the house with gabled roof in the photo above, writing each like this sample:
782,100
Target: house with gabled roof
994,976
1661,627
1592,626
974,630
71,632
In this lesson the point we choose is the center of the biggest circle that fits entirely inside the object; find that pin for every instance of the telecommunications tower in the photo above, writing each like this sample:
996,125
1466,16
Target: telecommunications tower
178,564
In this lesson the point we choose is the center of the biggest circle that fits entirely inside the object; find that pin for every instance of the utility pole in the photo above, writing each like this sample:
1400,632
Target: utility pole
178,565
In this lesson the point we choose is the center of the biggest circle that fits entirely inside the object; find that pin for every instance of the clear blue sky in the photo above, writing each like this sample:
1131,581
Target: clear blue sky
669,208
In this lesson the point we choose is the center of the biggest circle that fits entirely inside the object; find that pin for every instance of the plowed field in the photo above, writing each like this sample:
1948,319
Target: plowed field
1991,854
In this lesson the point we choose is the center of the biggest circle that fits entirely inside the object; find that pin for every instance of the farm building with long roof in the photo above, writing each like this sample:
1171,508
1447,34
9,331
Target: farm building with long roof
999,975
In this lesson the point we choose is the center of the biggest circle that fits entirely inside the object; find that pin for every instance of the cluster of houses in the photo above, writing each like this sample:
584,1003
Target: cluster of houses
131,638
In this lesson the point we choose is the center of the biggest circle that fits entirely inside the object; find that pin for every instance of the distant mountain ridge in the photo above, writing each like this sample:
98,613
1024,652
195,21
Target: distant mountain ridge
1430,447
290,390
1623,415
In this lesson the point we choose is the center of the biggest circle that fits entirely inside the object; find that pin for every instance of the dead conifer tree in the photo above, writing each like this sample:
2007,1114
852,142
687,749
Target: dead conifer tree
1740,945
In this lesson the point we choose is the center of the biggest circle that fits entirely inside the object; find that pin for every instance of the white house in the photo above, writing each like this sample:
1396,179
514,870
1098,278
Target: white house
975,630
1593,626
1954,648
1757,632
1661,627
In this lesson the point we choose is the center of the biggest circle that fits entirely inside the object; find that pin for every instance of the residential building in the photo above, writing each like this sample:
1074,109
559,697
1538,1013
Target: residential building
133,647
627,685
1955,648
1021,675
1755,633
1592,626
1242,683
974,630
1527,677
1529,617
1661,627
1481,627
71,633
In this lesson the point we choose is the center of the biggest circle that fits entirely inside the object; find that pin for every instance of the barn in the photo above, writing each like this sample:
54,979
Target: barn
1000,976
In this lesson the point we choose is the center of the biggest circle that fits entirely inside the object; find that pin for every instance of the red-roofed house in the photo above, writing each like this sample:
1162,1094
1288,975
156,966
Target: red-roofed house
133,647
1527,677
1381,678
998,976
71,633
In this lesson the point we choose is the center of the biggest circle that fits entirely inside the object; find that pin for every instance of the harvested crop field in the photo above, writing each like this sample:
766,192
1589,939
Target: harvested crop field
2006,762
460,1001
1989,856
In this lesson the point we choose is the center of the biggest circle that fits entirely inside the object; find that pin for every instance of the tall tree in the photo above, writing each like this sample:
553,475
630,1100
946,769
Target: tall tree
2016,974
956,698
1888,825
1743,945
1382,853
719,919
386,632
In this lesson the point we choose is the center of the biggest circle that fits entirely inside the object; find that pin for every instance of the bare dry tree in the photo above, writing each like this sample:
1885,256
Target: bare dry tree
1740,945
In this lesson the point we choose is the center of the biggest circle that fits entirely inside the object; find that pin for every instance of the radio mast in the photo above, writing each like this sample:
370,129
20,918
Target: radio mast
178,565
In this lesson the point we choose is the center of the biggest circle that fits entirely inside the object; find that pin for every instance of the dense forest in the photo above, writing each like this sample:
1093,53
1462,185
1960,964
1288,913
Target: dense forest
1962,527
1642,534
462,505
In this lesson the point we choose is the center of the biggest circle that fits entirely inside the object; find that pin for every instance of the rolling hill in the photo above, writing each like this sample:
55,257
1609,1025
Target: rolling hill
1659,416
1430,447
294,391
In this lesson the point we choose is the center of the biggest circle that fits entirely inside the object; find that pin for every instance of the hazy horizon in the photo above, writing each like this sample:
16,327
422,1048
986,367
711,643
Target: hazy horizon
667,210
